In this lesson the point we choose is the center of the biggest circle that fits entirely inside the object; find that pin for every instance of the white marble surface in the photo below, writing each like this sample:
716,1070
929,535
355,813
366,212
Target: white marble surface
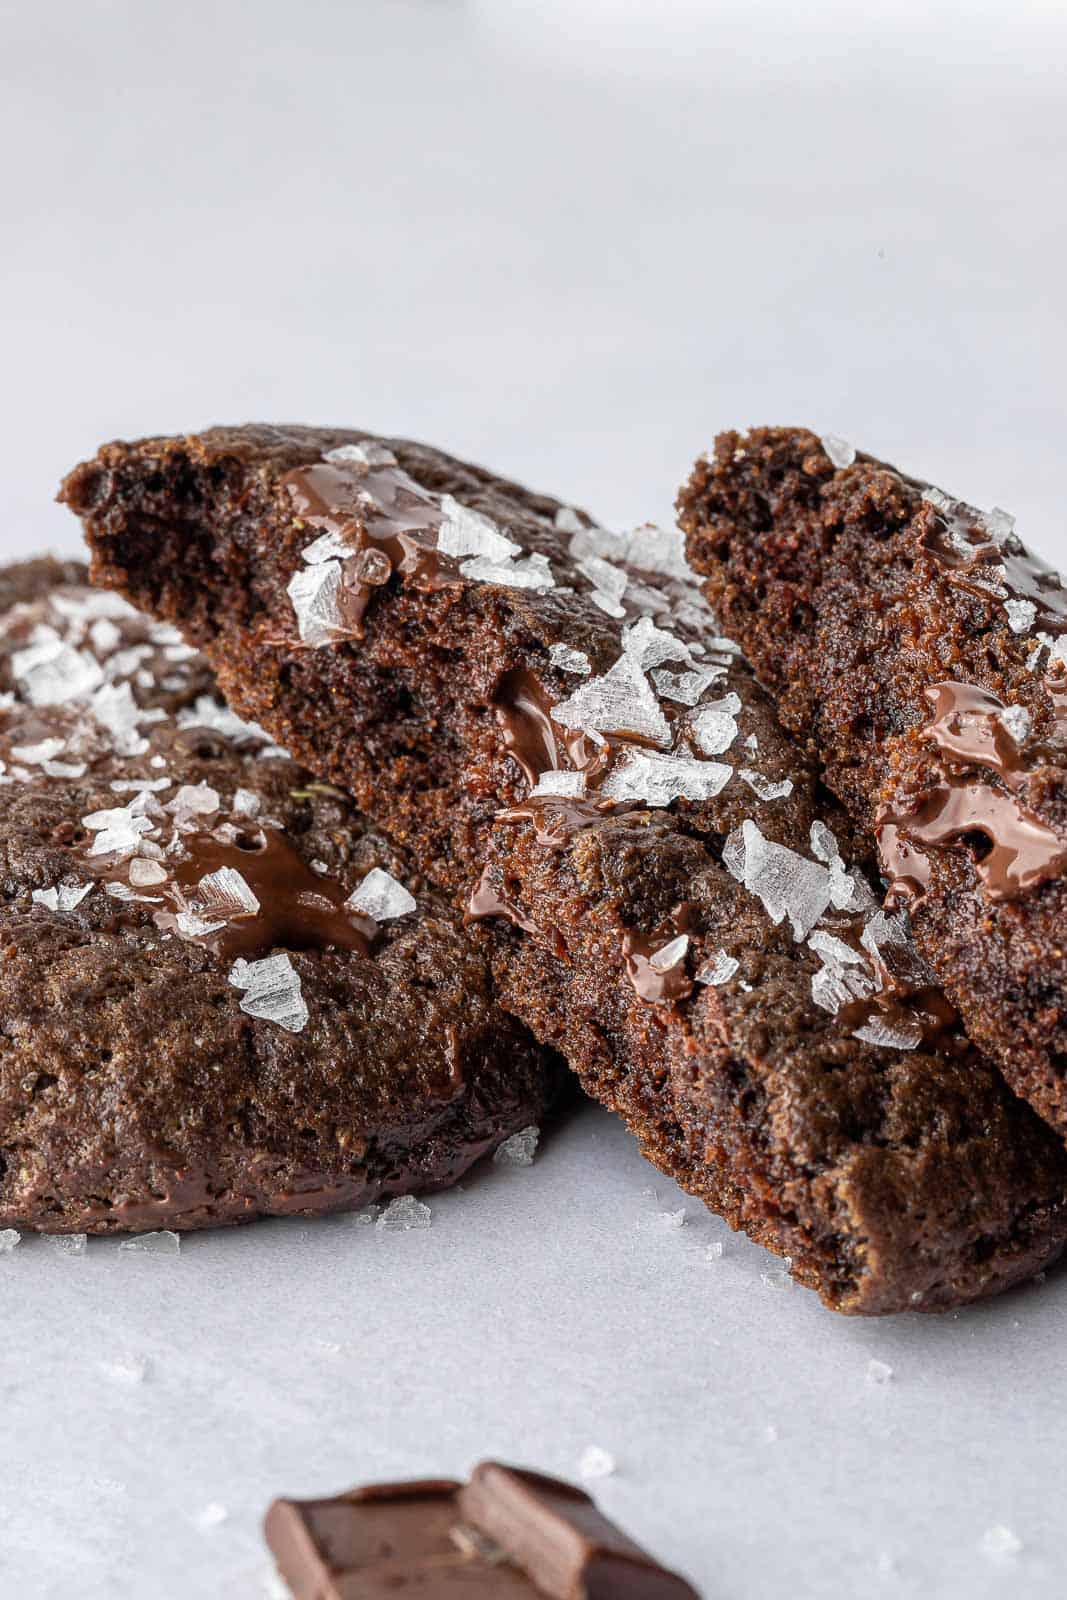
572,239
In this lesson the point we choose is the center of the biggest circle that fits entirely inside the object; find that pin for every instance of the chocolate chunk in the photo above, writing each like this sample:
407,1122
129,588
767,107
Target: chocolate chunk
820,1095
202,1020
918,644
507,1532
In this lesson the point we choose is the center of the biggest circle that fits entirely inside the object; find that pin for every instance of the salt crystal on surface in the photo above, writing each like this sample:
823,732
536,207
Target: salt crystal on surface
226,893
35,755
331,546
532,572
246,803
567,520
1017,720
65,896
144,873
999,1541
519,1150
609,584
372,567
1022,615
210,713
841,453
9,1238
368,454
315,594
670,955
648,646
212,1516
715,727
658,550
162,1243
468,533
105,637
878,1372
194,800
620,702
656,779
596,1462
118,832
118,713
68,1244
272,991
571,784
685,688
906,1035
764,788
568,660
380,896
403,1213
718,969
50,673
140,785
787,883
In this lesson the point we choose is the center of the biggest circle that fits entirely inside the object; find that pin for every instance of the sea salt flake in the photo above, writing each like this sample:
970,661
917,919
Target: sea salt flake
765,788
35,755
714,727
372,567
999,1541
121,833
787,883
403,1214
718,969
246,803
571,784
331,546
226,893
658,550
145,873
905,1035
140,785
841,453
9,1239
567,520
596,1462
685,688
381,897
162,1243
272,991
670,955
657,780
367,454
648,646
51,673
104,636
1021,614
519,1150
878,1372
194,800
609,584
619,702
568,660
468,533
64,769
65,896
673,1219
212,1516
315,595
1018,722
68,1244
189,923
211,714
118,713
532,572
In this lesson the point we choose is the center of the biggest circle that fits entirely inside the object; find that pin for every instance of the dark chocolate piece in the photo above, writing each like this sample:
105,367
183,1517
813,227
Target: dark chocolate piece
200,1024
676,904
921,649
506,1533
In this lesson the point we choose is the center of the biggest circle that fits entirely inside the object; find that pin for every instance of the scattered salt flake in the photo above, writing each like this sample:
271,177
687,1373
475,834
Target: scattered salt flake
35,755
670,955
999,1541
404,1213
51,673
715,726
1018,722
368,454
906,1035
878,1372
620,702
685,688
532,572
765,788
718,969
68,1244
140,785
118,713
315,594
272,991
648,646
1021,614
715,1252
656,779
226,893
126,1369
193,801
211,714
331,546
777,1279
841,453
246,803
788,884
145,873
568,660
381,897
570,784
9,1238
65,896
212,1516
658,550
519,1150
372,567
468,533
162,1243
596,1462
609,584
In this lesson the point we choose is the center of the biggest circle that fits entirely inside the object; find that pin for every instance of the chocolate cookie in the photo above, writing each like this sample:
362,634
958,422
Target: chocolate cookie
547,716
921,649
223,993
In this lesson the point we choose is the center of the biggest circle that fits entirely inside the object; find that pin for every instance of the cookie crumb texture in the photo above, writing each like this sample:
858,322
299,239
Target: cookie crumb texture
921,649
202,1023
548,718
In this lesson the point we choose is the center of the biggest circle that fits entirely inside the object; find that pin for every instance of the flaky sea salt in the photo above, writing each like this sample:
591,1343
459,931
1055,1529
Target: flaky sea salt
272,991
904,1035
192,802
1022,614
714,728
841,453
570,784
568,660
381,897
35,755
143,874
532,572
656,779
685,688
519,1150
765,788
119,832
51,673
368,454
596,1462
246,803
670,955
464,532
620,702
161,1243
329,546
718,969
65,896
212,714
140,785
226,893
788,884
1018,722
68,1244
404,1213
315,593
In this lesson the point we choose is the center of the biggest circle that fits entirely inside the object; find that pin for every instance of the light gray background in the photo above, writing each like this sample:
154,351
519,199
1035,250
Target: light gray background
572,240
